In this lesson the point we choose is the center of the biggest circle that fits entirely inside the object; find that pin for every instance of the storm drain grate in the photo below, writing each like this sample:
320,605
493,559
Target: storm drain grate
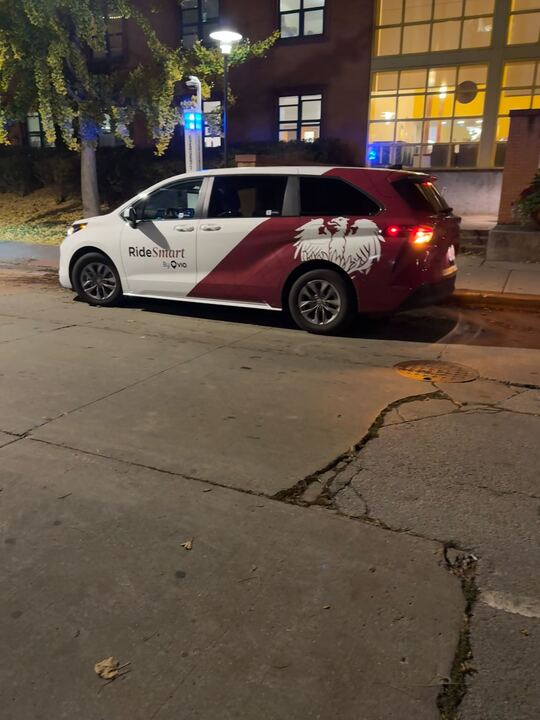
436,371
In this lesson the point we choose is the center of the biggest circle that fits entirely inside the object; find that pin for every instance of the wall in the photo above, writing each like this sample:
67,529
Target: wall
522,159
471,192
336,63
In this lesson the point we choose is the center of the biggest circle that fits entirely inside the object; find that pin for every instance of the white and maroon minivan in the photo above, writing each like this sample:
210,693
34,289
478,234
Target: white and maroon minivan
323,243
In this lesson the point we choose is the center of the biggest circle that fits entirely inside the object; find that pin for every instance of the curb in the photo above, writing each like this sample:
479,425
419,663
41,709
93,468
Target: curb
477,298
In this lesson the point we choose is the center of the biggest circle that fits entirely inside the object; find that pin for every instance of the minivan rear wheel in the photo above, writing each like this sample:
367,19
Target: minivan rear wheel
96,280
321,302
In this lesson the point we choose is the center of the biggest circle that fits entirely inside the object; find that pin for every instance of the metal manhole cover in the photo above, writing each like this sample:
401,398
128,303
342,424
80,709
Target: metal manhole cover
436,370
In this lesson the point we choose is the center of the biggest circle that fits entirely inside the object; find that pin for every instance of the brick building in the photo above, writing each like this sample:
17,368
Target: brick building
424,83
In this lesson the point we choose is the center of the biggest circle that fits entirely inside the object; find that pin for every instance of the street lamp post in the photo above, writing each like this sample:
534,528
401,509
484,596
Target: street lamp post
226,40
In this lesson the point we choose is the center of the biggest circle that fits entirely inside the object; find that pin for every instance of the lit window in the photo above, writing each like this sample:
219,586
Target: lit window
199,19
381,132
382,108
418,26
524,28
212,123
448,9
300,117
476,32
479,7
415,38
301,18
409,132
427,117
520,91
445,35
466,130
384,82
388,41
519,74
34,130
525,5
416,10
390,12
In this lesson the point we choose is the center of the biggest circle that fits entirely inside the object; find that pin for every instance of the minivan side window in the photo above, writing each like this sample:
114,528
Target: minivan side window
171,202
247,196
332,196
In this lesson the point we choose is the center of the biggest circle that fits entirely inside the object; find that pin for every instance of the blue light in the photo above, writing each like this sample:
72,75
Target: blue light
372,156
193,120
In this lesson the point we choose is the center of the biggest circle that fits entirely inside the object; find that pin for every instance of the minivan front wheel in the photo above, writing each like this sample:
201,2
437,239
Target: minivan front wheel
96,280
320,301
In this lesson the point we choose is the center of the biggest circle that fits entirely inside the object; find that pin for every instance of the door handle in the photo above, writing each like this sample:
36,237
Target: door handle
184,228
210,228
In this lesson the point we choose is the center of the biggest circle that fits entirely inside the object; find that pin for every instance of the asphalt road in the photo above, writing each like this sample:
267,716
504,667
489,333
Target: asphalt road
364,545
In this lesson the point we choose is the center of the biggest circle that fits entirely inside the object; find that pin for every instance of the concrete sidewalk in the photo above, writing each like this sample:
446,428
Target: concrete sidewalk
479,276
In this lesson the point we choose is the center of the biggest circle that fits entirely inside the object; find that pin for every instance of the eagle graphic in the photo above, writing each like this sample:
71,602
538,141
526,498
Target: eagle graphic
354,246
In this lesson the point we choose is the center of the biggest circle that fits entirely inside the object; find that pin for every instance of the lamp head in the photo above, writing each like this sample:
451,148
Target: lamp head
226,39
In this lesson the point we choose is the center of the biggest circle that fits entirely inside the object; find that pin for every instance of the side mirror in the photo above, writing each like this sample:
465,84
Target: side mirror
130,216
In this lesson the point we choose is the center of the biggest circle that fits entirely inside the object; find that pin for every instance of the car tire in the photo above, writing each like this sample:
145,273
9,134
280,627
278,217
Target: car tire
96,280
322,302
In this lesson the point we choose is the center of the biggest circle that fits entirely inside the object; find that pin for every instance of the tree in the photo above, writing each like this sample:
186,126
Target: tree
51,62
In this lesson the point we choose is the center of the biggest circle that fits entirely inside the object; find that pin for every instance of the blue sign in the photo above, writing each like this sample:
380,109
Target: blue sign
193,121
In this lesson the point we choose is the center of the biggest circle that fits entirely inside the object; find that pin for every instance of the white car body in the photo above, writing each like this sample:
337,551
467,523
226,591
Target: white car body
190,243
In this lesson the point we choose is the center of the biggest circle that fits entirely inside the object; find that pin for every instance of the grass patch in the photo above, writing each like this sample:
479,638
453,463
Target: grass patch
36,218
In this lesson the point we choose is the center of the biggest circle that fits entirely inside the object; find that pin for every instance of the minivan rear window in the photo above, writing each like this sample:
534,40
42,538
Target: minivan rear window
421,195
333,196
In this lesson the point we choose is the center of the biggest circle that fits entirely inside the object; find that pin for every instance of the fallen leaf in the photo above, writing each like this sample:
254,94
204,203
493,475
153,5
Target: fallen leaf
188,545
109,668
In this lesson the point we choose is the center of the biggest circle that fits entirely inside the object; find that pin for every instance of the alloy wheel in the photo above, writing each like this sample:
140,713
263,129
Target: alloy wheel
98,281
319,302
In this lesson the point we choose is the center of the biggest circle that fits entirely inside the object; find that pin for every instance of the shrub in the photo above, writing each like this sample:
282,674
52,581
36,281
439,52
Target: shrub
123,173
527,207
58,169
16,171
324,152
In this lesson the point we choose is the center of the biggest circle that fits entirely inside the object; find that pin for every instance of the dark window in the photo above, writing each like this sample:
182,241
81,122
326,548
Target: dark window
171,202
422,196
301,17
332,196
247,196
114,40
300,117
199,19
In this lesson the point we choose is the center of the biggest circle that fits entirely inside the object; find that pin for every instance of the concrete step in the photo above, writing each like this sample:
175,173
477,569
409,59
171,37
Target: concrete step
473,238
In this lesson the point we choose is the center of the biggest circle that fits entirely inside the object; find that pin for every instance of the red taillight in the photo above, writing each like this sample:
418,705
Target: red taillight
417,235
421,235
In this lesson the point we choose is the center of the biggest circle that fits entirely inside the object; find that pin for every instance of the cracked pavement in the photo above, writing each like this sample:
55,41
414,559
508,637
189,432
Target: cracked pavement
324,493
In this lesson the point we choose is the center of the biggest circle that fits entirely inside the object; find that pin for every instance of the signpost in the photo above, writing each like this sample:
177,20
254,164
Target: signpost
193,130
